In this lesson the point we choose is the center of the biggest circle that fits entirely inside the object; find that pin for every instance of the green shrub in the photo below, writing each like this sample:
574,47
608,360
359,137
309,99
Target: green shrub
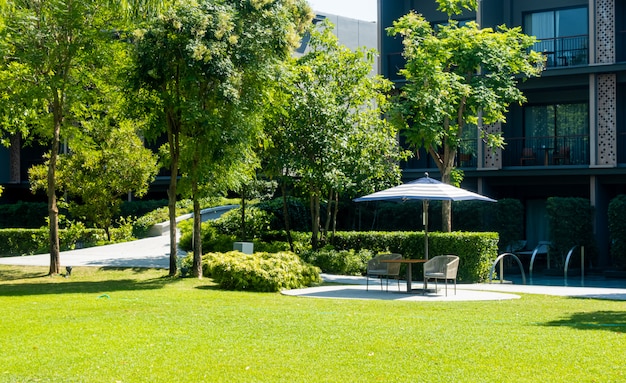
257,222
617,229
299,217
23,215
212,241
343,262
570,222
267,272
15,242
476,250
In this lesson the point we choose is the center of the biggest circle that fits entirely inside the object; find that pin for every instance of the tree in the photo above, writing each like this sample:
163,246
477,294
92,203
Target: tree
327,132
199,74
458,75
54,45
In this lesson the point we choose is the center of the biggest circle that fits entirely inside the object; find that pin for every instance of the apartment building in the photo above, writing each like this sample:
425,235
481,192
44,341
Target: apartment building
569,139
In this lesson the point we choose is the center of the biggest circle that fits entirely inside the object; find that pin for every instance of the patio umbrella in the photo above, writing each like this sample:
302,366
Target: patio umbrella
424,189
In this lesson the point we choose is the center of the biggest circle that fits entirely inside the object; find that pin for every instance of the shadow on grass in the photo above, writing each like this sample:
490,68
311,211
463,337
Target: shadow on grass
596,320
36,283
12,275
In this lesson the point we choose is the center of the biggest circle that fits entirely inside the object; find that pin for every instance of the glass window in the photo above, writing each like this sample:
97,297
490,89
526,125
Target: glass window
563,35
558,129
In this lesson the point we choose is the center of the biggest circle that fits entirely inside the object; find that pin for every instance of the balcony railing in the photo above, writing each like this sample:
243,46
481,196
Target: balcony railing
546,151
564,51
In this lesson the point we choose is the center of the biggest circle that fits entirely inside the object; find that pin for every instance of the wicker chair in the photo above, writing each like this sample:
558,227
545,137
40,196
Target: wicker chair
378,269
528,154
441,267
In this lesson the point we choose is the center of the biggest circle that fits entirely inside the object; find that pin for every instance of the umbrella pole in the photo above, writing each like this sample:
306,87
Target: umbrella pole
425,219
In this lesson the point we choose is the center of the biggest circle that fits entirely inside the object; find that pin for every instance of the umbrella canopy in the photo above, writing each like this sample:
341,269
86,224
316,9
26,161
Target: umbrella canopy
424,189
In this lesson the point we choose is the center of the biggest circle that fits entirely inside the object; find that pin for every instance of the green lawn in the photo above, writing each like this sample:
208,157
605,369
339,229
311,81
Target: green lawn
139,326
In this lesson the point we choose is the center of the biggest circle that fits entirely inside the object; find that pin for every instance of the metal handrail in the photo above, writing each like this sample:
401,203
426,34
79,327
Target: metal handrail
500,259
535,252
582,264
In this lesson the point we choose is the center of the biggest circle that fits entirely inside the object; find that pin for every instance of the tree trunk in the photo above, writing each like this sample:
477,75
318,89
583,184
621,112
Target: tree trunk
53,210
446,206
197,234
315,219
286,217
243,213
329,214
173,139
335,212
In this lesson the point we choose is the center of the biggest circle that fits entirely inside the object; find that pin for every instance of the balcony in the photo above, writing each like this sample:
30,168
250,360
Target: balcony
546,151
564,51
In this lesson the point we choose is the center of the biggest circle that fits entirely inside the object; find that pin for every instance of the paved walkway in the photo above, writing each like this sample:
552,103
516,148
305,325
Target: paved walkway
354,288
153,252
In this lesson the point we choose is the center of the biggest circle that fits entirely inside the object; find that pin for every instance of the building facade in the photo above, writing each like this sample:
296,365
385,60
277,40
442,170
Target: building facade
569,139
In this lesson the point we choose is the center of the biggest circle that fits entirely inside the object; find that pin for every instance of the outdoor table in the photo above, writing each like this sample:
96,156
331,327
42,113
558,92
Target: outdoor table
409,271
546,156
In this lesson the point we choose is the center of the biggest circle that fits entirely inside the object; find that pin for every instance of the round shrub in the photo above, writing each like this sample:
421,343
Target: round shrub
268,272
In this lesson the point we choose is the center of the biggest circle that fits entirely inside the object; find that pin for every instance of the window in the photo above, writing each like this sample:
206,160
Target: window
563,35
558,130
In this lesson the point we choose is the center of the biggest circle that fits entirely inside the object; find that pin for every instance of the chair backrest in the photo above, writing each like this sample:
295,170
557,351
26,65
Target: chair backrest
393,268
527,152
446,264
390,268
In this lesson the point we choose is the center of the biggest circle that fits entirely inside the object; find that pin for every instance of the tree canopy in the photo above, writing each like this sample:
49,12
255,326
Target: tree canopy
200,72
458,75
327,132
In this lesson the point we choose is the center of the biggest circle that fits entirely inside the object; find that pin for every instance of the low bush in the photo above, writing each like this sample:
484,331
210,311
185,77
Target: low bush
266,272
343,262
212,241
476,250
23,215
15,242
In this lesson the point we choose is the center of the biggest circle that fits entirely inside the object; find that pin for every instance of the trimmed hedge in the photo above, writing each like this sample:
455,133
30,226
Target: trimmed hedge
571,223
476,250
267,272
617,228
342,262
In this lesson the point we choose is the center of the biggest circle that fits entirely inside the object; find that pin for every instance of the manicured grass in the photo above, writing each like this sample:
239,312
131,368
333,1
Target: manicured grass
139,326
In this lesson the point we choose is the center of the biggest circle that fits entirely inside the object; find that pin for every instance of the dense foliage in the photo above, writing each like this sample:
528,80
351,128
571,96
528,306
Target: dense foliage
476,250
456,72
340,262
259,271
571,224
617,228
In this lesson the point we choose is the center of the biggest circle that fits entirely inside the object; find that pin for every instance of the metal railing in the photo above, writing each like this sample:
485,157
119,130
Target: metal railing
546,151
500,260
564,51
